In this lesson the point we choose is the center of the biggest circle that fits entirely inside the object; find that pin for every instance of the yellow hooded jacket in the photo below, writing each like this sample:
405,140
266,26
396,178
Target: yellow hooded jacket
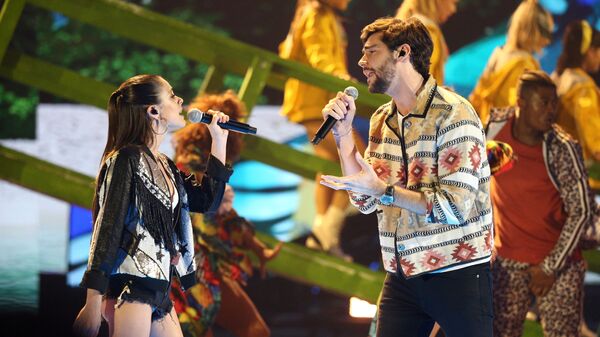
319,41
579,112
498,88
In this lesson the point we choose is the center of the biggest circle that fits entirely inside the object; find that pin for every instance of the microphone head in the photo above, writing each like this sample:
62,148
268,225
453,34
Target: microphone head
351,91
195,115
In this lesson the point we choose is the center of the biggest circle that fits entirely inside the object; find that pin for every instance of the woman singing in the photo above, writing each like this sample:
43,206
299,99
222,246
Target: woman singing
142,234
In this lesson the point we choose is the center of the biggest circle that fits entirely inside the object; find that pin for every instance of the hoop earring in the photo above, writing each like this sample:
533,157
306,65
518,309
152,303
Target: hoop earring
165,126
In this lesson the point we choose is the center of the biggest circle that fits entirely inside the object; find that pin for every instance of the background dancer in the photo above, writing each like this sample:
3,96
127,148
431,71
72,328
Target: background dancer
221,239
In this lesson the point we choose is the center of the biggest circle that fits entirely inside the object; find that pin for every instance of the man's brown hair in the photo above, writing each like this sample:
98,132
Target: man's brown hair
397,32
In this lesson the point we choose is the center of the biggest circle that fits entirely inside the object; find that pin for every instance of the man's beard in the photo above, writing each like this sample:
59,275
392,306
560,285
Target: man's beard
382,83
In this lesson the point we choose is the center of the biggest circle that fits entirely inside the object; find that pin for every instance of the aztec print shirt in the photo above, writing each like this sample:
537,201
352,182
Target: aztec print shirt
438,149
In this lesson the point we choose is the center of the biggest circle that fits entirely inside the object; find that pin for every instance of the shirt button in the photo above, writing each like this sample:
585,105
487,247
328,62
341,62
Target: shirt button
407,124
401,247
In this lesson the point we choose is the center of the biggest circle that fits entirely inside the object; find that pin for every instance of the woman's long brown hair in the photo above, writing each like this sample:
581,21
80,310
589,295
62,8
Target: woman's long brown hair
128,123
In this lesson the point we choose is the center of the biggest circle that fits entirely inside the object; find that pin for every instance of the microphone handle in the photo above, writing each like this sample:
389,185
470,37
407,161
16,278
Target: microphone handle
230,125
323,130
238,127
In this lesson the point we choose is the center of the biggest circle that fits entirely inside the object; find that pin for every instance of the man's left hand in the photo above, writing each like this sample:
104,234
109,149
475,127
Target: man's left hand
364,182
540,282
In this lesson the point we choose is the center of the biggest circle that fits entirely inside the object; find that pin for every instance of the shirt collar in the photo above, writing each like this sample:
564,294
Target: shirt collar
424,99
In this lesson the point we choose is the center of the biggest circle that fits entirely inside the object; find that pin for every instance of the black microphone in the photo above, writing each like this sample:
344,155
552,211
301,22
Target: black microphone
197,116
328,123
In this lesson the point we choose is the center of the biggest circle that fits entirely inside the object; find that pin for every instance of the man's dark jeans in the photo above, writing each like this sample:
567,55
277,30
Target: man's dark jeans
460,301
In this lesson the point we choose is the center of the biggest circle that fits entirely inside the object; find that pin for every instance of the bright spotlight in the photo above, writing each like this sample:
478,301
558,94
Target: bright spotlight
361,309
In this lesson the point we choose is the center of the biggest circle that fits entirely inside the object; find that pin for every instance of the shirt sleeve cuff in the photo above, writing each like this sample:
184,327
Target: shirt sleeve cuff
95,279
217,170
188,281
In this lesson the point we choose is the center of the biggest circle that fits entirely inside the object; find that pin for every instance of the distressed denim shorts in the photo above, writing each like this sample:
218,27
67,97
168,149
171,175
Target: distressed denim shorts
130,291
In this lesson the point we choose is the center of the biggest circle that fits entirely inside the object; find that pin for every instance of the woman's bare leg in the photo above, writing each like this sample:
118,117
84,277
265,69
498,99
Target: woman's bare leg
129,319
108,313
168,326
435,330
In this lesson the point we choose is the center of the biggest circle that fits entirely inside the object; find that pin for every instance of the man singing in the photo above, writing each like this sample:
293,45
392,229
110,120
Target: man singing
425,172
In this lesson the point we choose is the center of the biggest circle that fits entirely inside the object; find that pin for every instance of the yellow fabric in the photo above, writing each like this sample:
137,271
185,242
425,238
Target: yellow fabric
586,37
318,41
440,49
579,114
498,88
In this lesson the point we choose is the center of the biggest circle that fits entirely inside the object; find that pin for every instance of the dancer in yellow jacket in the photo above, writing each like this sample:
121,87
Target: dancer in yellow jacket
579,109
529,31
432,13
317,38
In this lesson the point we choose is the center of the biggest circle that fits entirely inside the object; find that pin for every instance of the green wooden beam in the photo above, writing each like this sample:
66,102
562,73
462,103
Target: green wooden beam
532,329
280,156
70,85
594,170
254,81
55,80
331,273
294,261
9,17
593,259
46,178
213,81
